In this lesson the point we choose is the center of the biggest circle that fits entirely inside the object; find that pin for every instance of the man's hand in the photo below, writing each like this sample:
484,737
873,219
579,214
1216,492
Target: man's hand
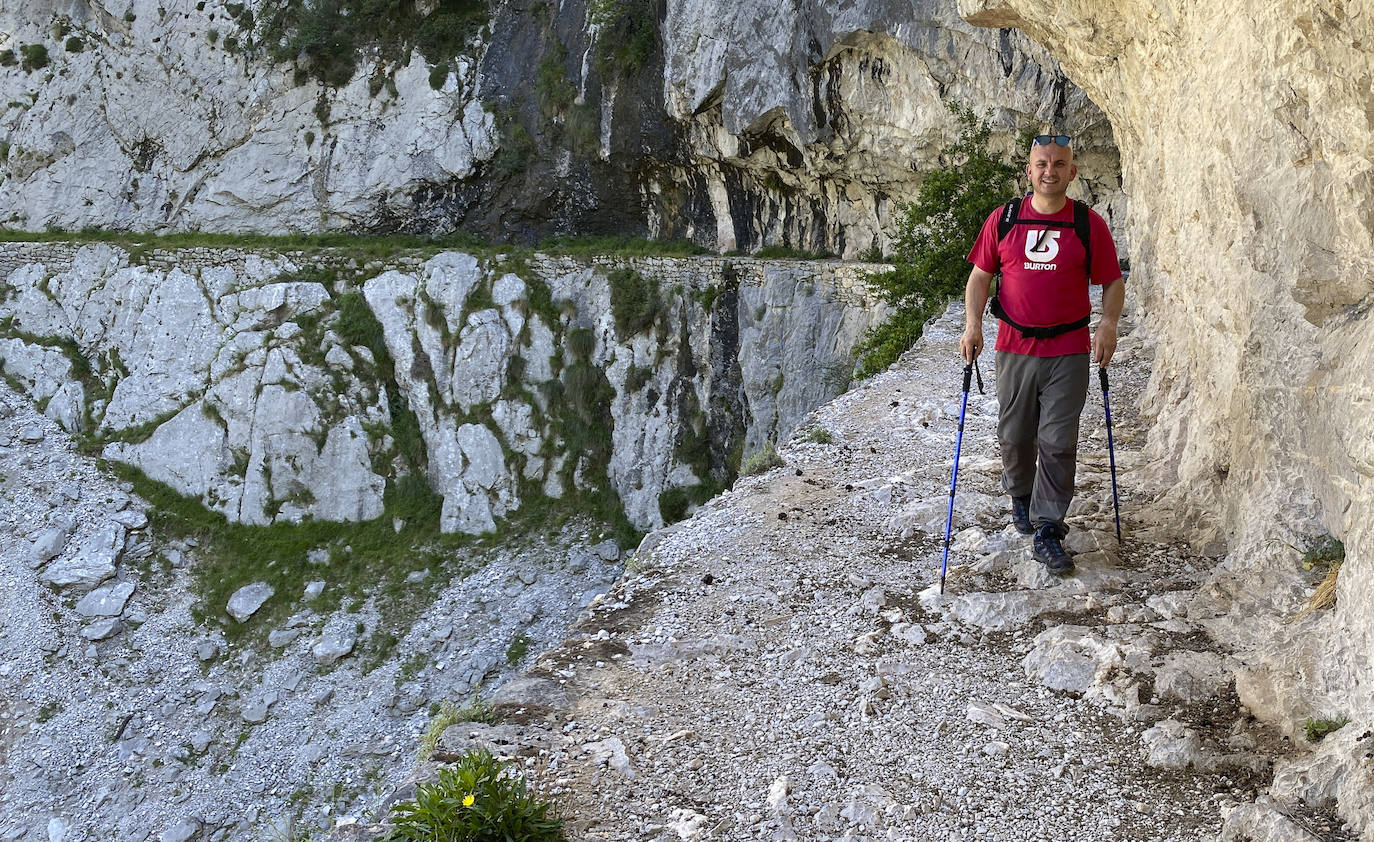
1104,338
971,343
1104,342
975,299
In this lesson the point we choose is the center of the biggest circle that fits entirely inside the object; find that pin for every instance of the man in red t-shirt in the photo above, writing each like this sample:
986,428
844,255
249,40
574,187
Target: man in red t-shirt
1043,342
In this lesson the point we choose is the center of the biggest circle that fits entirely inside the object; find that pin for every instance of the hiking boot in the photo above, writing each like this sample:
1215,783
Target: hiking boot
1049,552
1020,515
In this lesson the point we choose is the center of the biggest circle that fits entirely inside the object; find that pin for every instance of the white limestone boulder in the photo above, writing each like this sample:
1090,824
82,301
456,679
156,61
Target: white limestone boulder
90,562
246,601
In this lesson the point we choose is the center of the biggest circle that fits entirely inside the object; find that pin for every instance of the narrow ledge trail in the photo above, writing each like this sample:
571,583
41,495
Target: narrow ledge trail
781,665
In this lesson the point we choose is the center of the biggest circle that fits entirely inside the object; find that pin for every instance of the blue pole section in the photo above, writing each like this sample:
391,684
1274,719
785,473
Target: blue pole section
954,475
1111,451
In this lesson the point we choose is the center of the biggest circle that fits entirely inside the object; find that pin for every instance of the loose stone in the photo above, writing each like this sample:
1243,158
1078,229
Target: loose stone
248,599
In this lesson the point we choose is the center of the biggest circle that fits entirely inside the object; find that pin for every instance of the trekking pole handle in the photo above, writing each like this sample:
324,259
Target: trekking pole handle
1102,376
969,370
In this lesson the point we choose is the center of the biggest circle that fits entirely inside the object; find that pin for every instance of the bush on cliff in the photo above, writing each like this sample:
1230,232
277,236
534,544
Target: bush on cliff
475,800
325,39
33,57
635,301
933,238
627,34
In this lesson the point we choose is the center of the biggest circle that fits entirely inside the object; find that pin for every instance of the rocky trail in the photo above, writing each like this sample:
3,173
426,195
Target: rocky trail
779,666
782,666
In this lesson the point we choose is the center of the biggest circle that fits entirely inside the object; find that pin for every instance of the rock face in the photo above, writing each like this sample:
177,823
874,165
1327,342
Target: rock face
153,123
1253,256
517,397
292,387
194,374
827,117
732,124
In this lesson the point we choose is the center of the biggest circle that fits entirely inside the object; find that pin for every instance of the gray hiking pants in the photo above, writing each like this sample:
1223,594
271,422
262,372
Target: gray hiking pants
1039,400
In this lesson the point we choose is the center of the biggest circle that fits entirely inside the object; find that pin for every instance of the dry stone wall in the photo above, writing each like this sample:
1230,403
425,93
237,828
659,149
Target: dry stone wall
299,385
1244,132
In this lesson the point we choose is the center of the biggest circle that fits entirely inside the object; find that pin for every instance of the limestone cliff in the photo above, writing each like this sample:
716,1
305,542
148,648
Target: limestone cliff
729,124
826,117
1244,132
282,387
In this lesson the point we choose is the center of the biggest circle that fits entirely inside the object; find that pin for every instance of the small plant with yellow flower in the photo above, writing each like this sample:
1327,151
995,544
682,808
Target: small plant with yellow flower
475,800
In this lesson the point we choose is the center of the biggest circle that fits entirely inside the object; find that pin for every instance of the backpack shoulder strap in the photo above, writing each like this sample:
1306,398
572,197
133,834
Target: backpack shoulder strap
1011,211
1083,228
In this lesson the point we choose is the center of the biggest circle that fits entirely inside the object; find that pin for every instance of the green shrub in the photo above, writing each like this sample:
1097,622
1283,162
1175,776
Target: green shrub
765,460
933,238
476,800
444,33
438,75
516,145
1316,729
556,91
325,39
518,649
581,342
627,36
8,58
449,714
74,45
638,377
674,503
819,435
635,301
33,57
1323,552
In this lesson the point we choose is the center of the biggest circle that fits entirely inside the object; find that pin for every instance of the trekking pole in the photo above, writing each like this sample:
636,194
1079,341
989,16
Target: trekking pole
1111,453
954,476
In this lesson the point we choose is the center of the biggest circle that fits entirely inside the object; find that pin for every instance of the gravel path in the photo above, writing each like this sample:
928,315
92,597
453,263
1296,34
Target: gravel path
781,667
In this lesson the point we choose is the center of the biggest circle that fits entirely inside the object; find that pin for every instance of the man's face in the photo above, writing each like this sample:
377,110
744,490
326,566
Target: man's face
1050,169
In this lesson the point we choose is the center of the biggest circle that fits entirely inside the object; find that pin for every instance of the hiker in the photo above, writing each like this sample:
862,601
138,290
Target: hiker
1048,248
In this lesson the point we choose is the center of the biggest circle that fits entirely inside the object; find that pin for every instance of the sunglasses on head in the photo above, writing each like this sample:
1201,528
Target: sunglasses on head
1047,139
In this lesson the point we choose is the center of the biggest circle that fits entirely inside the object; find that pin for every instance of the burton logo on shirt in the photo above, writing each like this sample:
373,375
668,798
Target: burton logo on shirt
1042,246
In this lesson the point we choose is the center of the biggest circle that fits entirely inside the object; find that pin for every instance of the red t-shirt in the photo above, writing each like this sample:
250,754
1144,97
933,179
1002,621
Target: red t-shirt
1046,285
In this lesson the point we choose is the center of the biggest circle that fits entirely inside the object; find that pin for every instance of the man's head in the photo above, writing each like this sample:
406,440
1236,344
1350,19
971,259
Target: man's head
1050,167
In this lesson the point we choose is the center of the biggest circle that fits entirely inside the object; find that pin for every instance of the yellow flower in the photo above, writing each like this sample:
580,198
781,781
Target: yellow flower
468,800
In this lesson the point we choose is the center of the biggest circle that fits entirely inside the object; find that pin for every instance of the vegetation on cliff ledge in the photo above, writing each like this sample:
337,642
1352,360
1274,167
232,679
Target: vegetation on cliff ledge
475,800
324,40
933,239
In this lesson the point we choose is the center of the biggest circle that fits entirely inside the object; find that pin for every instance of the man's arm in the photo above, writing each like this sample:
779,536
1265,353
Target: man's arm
1104,338
975,299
